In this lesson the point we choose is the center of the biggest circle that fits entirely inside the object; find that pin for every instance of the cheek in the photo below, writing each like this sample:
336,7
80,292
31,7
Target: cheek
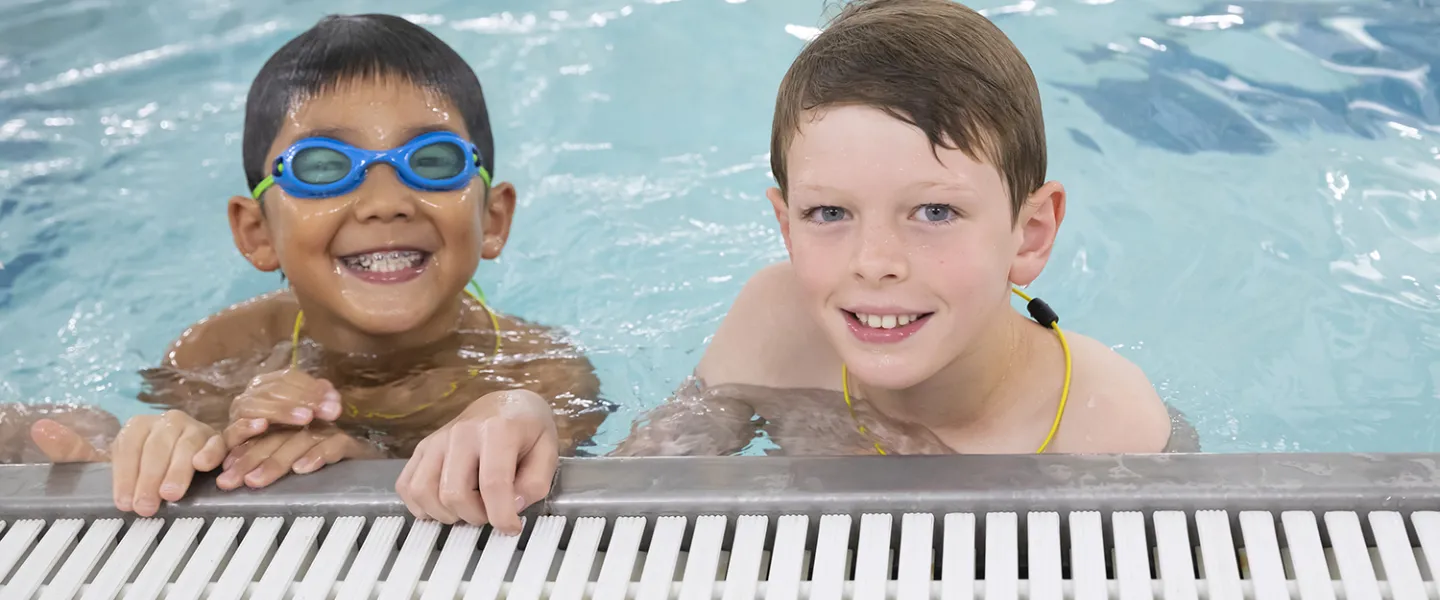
819,258
963,269
306,228
459,218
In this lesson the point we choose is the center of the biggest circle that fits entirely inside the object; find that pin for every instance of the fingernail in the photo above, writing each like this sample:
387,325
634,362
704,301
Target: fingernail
253,478
122,503
147,504
169,489
306,466
519,503
302,414
228,461
257,424
229,478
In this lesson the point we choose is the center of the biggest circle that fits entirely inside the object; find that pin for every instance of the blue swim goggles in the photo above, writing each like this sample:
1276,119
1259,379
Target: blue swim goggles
322,167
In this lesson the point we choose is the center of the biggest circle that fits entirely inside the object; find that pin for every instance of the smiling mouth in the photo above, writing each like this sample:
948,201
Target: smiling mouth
385,262
886,321
386,266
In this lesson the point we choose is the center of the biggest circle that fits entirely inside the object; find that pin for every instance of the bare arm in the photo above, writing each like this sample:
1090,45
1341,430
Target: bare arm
213,361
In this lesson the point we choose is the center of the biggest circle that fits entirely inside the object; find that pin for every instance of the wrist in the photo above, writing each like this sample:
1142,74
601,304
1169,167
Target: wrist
509,403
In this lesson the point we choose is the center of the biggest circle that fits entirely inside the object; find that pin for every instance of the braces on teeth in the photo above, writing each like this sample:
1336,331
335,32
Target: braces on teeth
385,262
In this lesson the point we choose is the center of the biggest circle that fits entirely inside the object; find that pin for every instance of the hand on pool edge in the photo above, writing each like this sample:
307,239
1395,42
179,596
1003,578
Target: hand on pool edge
261,461
504,445
155,458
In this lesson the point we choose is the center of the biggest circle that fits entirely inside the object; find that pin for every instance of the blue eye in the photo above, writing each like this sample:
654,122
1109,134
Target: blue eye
936,213
826,214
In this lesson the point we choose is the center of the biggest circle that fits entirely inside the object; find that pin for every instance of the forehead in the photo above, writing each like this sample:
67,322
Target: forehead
373,113
864,149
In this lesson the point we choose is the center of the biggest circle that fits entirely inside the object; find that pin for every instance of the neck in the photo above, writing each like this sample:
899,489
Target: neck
339,338
980,388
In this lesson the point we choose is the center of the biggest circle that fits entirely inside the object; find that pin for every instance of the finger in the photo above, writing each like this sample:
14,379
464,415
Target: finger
404,484
154,463
181,469
536,472
125,460
256,388
209,455
498,461
459,477
328,452
426,487
62,444
286,405
317,395
282,459
247,457
328,407
242,430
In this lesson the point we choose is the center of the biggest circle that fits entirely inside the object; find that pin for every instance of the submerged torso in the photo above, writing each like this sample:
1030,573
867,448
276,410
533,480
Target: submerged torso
395,399
733,418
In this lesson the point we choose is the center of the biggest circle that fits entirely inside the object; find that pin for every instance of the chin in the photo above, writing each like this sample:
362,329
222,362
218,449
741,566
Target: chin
890,371
384,324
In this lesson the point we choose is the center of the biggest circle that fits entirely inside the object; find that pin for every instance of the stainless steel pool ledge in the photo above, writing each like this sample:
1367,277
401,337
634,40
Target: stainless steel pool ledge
813,485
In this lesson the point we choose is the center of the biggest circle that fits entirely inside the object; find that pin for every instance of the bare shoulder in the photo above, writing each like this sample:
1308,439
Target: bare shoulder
768,338
1113,407
241,329
550,354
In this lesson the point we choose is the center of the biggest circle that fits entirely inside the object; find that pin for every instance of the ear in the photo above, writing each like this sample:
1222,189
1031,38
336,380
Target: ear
782,213
252,233
499,211
1035,229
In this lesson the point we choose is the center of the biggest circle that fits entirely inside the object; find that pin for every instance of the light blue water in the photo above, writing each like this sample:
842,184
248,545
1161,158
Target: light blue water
1253,214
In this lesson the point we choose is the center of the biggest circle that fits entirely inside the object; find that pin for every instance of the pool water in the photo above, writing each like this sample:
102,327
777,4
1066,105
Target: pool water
1253,212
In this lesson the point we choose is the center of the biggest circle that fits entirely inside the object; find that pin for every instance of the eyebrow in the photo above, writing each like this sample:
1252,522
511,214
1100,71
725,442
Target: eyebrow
920,186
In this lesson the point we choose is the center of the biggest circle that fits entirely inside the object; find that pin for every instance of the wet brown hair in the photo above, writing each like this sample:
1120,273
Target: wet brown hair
934,64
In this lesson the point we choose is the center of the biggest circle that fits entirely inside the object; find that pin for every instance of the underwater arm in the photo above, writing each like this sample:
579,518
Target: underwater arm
696,422
214,361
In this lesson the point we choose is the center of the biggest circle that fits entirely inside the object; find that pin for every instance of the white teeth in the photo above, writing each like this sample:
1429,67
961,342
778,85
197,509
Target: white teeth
384,262
886,321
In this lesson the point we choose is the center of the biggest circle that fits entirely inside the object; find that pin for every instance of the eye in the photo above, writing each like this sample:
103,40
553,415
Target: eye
320,166
936,213
441,160
824,214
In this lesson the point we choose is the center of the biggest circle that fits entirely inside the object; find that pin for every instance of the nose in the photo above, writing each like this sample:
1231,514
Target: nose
383,197
880,254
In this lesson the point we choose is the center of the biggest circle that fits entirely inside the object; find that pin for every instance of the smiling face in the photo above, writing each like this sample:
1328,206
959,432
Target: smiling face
383,260
906,260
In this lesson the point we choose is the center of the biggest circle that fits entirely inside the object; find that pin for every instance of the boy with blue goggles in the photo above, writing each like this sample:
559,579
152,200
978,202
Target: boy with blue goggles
321,167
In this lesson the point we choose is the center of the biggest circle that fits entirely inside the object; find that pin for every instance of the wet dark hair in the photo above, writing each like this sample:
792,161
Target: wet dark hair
344,48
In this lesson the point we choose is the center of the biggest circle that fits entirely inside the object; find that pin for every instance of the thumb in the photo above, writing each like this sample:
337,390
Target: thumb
536,470
210,455
62,445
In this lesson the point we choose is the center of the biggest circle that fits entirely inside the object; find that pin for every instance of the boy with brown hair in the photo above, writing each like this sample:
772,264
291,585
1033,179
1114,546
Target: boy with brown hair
908,148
